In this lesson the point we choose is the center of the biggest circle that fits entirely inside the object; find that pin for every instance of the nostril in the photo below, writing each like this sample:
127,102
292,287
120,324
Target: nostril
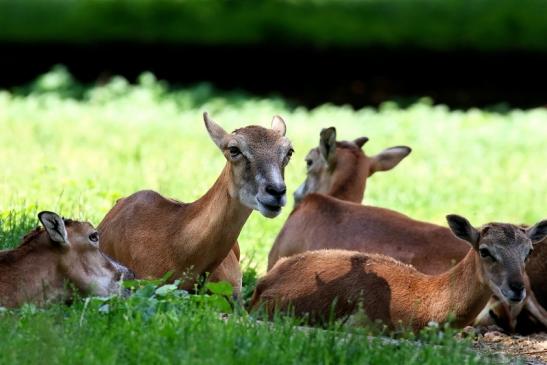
128,275
516,286
276,190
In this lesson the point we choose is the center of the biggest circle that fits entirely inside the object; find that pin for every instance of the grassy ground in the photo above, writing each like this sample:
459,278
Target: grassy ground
77,156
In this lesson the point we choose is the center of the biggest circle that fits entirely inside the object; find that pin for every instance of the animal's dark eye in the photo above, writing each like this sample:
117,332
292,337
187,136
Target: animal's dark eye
94,237
234,151
309,163
529,253
485,253
289,154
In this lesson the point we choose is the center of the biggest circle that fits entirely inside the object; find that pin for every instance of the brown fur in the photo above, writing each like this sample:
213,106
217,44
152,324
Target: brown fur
388,290
318,222
321,222
536,268
229,270
153,234
40,271
349,177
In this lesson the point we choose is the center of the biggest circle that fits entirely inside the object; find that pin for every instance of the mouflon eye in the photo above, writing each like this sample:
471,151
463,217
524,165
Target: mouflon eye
94,237
234,151
309,163
528,254
289,153
485,253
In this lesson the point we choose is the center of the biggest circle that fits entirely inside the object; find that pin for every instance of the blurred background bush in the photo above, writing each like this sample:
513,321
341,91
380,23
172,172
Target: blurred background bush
461,52
430,24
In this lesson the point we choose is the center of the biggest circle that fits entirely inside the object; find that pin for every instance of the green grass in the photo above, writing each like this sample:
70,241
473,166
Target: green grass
165,330
78,155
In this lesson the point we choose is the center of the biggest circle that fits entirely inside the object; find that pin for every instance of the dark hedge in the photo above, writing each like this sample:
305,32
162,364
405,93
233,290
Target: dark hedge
429,24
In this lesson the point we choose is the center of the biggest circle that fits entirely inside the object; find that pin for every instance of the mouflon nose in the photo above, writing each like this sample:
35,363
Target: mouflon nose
276,190
518,291
128,275
123,273
516,286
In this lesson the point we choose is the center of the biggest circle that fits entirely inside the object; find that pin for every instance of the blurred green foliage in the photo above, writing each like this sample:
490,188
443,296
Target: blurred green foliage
430,24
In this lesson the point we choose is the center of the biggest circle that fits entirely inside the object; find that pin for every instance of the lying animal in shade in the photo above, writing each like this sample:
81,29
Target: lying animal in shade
54,261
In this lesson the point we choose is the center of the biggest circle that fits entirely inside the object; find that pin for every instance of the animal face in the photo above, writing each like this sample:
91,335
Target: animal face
318,180
258,157
81,262
335,163
502,250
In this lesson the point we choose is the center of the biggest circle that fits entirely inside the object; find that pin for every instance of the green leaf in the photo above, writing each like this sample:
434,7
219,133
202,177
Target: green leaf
166,276
166,289
220,304
130,284
220,288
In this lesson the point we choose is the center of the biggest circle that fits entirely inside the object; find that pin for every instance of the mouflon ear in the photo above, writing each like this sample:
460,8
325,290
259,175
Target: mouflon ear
389,158
327,144
538,232
278,125
462,229
360,142
55,227
216,132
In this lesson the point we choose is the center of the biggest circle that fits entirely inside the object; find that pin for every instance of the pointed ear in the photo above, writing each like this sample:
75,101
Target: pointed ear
538,232
461,228
360,142
215,131
278,125
55,227
389,158
327,144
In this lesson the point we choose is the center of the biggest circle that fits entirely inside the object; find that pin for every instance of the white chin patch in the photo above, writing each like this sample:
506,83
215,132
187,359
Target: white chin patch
104,286
255,204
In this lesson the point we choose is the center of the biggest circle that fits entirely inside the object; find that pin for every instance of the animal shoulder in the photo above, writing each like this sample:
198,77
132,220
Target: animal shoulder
324,203
153,198
334,255
29,242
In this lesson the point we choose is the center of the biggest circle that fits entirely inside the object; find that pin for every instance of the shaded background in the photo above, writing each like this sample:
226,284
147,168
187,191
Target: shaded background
485,53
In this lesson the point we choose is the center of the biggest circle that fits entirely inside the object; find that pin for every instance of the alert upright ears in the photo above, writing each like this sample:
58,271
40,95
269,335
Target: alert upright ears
461,227
55,227
464,230
389,158
278,125
327,144
216,132
538,232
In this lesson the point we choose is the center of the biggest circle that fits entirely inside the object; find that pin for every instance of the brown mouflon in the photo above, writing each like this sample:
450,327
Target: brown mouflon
153,234
338,282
